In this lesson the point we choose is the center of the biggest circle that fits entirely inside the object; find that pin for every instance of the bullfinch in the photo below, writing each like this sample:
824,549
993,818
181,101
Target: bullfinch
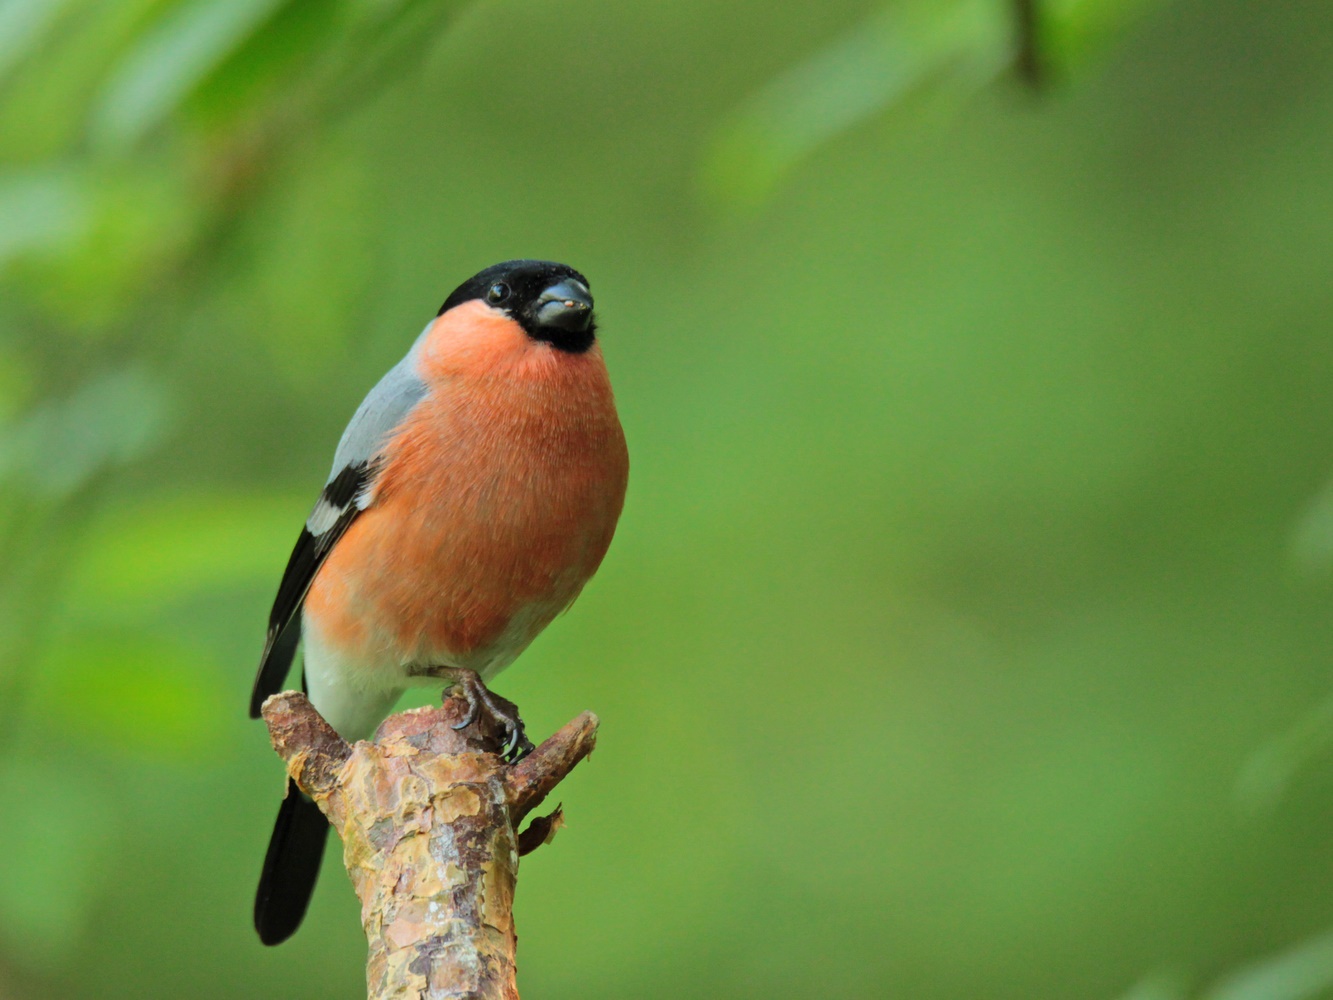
473,494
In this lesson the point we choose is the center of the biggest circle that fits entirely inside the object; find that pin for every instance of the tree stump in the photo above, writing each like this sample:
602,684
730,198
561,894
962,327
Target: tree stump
428,817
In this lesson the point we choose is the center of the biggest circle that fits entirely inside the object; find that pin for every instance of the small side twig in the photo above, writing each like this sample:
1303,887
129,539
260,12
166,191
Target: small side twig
428,817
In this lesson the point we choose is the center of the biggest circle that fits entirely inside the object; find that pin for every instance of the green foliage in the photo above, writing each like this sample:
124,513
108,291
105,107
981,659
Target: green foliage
58,446
967,631
168,63
954,47
876,65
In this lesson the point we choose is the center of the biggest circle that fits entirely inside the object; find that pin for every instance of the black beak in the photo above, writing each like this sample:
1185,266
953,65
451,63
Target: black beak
565,306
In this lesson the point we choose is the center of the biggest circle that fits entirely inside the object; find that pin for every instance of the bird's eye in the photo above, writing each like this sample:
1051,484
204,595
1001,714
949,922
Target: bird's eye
498,292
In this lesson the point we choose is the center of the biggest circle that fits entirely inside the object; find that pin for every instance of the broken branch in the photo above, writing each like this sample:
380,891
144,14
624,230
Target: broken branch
428,816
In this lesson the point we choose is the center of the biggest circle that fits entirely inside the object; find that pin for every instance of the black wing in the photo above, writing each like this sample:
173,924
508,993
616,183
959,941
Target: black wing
336,510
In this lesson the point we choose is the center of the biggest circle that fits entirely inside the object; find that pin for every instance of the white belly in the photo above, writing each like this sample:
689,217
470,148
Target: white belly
355,695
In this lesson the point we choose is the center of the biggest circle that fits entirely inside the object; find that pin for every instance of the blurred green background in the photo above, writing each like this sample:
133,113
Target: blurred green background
968,630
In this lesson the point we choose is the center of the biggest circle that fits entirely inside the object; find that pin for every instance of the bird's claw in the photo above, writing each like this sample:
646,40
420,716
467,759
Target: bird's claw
502,711
473,709
518,745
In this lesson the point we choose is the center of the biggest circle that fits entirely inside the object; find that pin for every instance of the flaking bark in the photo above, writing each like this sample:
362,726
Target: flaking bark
429,818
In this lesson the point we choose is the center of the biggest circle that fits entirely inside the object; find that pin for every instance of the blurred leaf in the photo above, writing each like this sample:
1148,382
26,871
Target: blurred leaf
56,827
1302,973
1159,986
23,23
959,46
1268,772
40,211
317,48
270,69
137,221
877,64
168,62
1312,538
142,560
60,445
44,101
132,691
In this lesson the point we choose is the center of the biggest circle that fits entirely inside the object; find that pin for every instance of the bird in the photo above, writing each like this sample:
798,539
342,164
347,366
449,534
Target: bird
472,496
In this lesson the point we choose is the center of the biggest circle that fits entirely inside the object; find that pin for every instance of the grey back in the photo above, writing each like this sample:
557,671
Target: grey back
379,414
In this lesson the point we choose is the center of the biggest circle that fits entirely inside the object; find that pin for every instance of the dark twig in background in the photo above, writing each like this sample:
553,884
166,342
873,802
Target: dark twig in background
1029,60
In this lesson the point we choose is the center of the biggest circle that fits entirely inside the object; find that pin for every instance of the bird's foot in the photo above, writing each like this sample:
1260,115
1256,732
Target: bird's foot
481,701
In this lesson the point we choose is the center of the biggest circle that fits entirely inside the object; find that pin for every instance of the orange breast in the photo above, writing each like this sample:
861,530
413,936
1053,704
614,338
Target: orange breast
497,502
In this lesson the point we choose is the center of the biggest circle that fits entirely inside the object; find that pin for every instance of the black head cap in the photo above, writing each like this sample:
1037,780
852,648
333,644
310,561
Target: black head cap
550,301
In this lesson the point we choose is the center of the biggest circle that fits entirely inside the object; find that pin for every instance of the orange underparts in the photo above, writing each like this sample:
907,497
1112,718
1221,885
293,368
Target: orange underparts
497,501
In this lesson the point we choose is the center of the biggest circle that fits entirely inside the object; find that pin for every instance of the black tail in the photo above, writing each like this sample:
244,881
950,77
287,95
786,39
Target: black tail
291,867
